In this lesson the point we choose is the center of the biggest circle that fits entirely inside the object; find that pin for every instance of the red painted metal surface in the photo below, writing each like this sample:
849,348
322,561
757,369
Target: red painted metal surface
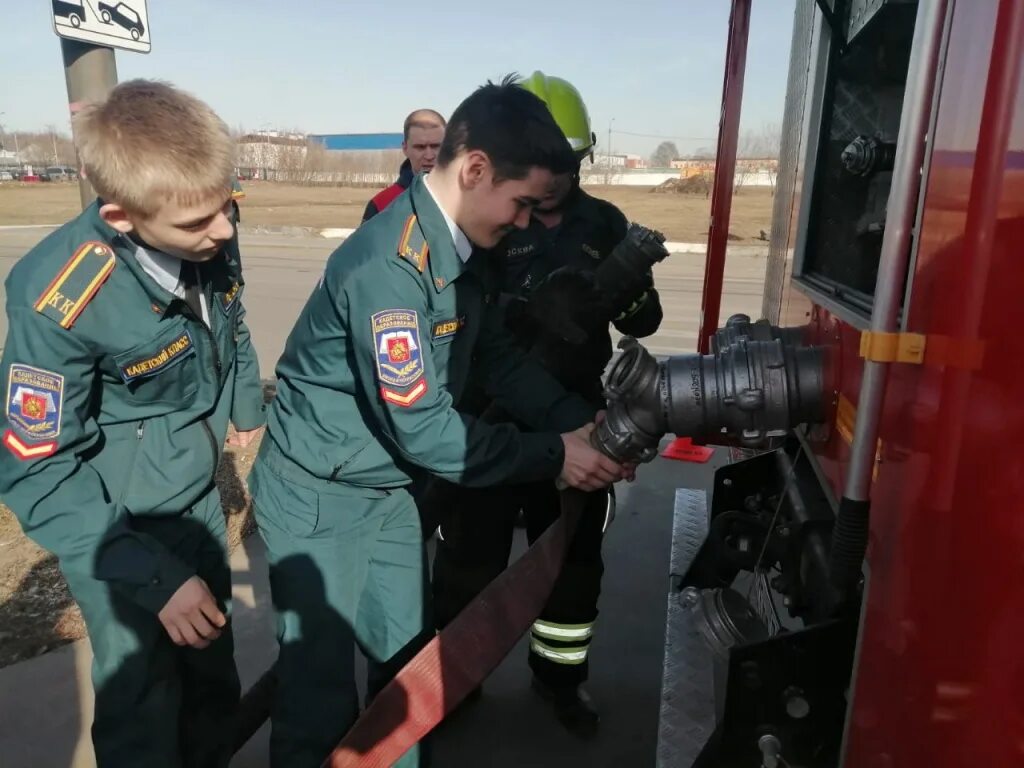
725,170
940,676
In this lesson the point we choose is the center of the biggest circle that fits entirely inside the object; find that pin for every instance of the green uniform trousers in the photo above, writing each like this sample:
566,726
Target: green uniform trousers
347,568
158,704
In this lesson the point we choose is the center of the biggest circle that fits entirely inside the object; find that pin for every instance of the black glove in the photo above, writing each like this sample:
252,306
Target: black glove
626,275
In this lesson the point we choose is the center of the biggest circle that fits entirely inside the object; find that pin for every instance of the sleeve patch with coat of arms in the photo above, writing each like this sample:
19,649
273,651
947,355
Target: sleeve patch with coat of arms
396,341
35,400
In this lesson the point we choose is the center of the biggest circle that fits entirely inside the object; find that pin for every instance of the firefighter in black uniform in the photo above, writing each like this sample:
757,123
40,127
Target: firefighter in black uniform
570,232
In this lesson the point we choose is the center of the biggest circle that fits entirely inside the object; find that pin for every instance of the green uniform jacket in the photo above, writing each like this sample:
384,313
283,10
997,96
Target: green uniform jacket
379,357
117,401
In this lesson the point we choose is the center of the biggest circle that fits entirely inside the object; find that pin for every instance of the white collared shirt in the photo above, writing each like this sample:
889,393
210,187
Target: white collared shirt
463,246
166,270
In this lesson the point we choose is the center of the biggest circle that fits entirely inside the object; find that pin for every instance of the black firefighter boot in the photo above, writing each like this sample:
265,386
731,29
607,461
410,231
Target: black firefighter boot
573,707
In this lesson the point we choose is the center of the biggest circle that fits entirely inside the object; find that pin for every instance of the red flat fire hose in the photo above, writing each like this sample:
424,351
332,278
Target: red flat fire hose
464,653
452,664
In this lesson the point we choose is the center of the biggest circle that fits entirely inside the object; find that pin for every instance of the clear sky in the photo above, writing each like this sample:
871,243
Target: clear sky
336,66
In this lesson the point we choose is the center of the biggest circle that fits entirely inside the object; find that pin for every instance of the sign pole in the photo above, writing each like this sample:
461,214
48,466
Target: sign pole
90,72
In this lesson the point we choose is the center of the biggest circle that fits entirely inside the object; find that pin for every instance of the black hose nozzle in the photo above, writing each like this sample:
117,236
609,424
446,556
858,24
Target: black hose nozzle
749,391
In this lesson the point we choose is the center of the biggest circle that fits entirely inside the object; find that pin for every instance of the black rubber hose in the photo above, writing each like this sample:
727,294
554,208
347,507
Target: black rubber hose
849,545
254,709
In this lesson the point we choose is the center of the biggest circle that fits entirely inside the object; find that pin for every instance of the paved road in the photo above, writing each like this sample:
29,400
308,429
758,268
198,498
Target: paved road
46,702
281,270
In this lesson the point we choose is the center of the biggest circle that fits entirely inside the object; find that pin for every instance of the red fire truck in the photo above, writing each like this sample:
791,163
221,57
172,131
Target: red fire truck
880,622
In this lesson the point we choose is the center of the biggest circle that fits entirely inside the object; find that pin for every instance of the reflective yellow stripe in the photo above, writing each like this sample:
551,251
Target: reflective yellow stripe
633,308
846,420
563,631
573,655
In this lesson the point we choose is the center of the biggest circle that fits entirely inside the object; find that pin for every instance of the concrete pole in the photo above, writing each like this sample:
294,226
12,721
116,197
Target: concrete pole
90,72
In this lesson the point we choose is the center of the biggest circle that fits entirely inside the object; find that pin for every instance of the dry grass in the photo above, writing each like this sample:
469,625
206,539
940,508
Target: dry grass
685,218
680,217
52,203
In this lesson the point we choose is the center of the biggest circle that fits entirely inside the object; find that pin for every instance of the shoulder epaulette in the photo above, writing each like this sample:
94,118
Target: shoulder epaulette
412,245
76,283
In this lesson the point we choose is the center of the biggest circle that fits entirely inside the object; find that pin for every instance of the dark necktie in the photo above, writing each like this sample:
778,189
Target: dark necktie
190,280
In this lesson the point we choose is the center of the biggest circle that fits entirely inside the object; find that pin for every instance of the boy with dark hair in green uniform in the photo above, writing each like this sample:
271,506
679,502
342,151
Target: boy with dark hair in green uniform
126,357
365,403
569,230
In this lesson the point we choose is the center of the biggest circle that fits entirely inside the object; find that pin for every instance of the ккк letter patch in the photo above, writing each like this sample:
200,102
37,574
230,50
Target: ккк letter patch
35,398
396,339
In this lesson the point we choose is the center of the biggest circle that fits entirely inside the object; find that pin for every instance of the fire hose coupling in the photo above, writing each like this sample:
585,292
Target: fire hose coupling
748,391
740,326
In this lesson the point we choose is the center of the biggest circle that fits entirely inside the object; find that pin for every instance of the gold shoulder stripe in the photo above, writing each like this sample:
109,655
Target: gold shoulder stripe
412,245
76,283
403,243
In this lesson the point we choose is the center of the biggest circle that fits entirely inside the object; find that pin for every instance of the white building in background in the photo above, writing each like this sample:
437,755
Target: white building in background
627,178
621,161
266,153
613,161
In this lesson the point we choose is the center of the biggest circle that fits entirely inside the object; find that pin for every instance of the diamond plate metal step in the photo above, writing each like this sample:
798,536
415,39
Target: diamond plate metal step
687,714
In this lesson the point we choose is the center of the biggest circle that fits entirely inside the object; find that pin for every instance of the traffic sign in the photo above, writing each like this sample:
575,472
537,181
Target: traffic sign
114,23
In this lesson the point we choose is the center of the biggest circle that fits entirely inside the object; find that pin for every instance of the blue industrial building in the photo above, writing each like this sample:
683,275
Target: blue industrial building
354,142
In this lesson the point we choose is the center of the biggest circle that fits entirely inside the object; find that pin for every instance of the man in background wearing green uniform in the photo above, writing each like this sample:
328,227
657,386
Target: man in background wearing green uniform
570,230
126,357
367,388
